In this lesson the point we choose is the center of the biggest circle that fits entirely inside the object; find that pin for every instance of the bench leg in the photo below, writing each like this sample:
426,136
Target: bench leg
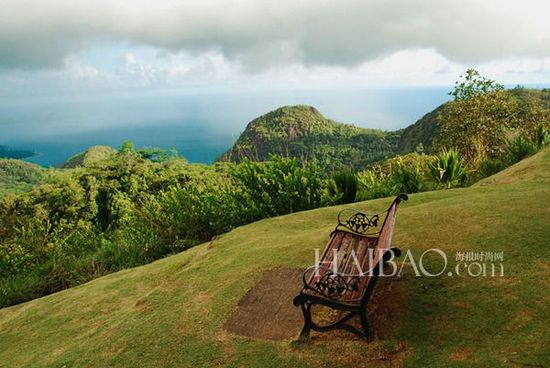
368,332
306,310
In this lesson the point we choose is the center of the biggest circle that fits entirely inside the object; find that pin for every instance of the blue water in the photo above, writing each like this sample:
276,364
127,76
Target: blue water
200,126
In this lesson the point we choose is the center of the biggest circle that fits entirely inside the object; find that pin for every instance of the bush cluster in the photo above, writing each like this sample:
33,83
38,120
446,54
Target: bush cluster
128,210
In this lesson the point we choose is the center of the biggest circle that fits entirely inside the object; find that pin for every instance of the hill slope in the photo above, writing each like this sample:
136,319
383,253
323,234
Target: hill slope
302,132
171,312
18,176
421,132
91,155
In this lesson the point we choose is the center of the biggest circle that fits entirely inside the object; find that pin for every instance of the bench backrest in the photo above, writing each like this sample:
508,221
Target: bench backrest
358,243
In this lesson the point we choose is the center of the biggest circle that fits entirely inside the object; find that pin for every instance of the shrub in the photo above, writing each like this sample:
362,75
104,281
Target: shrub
407,179
277,187
403,178
374,184
342,188
126,210
449,170
491,167
420,160
542,136
519,148
191,213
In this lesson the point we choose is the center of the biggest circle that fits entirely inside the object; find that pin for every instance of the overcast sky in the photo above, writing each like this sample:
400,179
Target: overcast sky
102,45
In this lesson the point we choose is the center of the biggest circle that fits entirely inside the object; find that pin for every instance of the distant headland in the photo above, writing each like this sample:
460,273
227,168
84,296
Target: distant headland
8,152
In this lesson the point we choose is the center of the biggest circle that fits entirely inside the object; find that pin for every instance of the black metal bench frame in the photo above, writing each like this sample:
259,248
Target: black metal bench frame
330,289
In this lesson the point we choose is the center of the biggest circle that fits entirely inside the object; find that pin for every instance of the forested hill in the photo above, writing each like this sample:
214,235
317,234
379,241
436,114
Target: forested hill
88,157
18,176
303,132
420,133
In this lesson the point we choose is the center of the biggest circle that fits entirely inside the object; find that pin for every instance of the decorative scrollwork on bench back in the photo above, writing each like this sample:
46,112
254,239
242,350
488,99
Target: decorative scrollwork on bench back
359,222
335,286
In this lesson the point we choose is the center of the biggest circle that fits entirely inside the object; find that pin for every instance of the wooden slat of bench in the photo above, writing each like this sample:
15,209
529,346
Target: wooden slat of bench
347,259
334,243
363,258
361,255
347,242
353,247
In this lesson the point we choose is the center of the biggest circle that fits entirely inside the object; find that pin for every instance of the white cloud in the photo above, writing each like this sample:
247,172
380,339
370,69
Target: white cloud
80,71
409,62
130,59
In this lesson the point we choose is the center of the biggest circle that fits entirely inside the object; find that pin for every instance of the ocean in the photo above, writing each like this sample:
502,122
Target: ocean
200,125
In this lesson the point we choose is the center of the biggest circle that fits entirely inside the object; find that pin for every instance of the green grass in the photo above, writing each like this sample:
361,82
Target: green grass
171,312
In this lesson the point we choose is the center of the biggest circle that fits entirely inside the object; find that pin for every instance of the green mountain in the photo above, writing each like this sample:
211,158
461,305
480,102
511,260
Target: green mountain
86,158
303,132
172,312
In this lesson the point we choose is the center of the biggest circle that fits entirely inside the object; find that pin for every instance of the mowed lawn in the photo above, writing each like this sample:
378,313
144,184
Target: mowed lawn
171,312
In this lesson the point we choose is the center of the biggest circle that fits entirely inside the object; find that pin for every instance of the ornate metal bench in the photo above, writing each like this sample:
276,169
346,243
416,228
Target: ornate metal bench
358,248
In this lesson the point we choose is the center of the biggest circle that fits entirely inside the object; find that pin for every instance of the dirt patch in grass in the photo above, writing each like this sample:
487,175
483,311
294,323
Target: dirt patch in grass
266,311
463,305
460,355
142,305
387,307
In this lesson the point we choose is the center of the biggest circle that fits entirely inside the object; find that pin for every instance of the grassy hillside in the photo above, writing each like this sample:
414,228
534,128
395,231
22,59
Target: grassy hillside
302,132
18,176
171,312
86,158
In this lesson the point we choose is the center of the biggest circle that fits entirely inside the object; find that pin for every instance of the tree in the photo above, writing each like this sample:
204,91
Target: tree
477,121
531,115
126,147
